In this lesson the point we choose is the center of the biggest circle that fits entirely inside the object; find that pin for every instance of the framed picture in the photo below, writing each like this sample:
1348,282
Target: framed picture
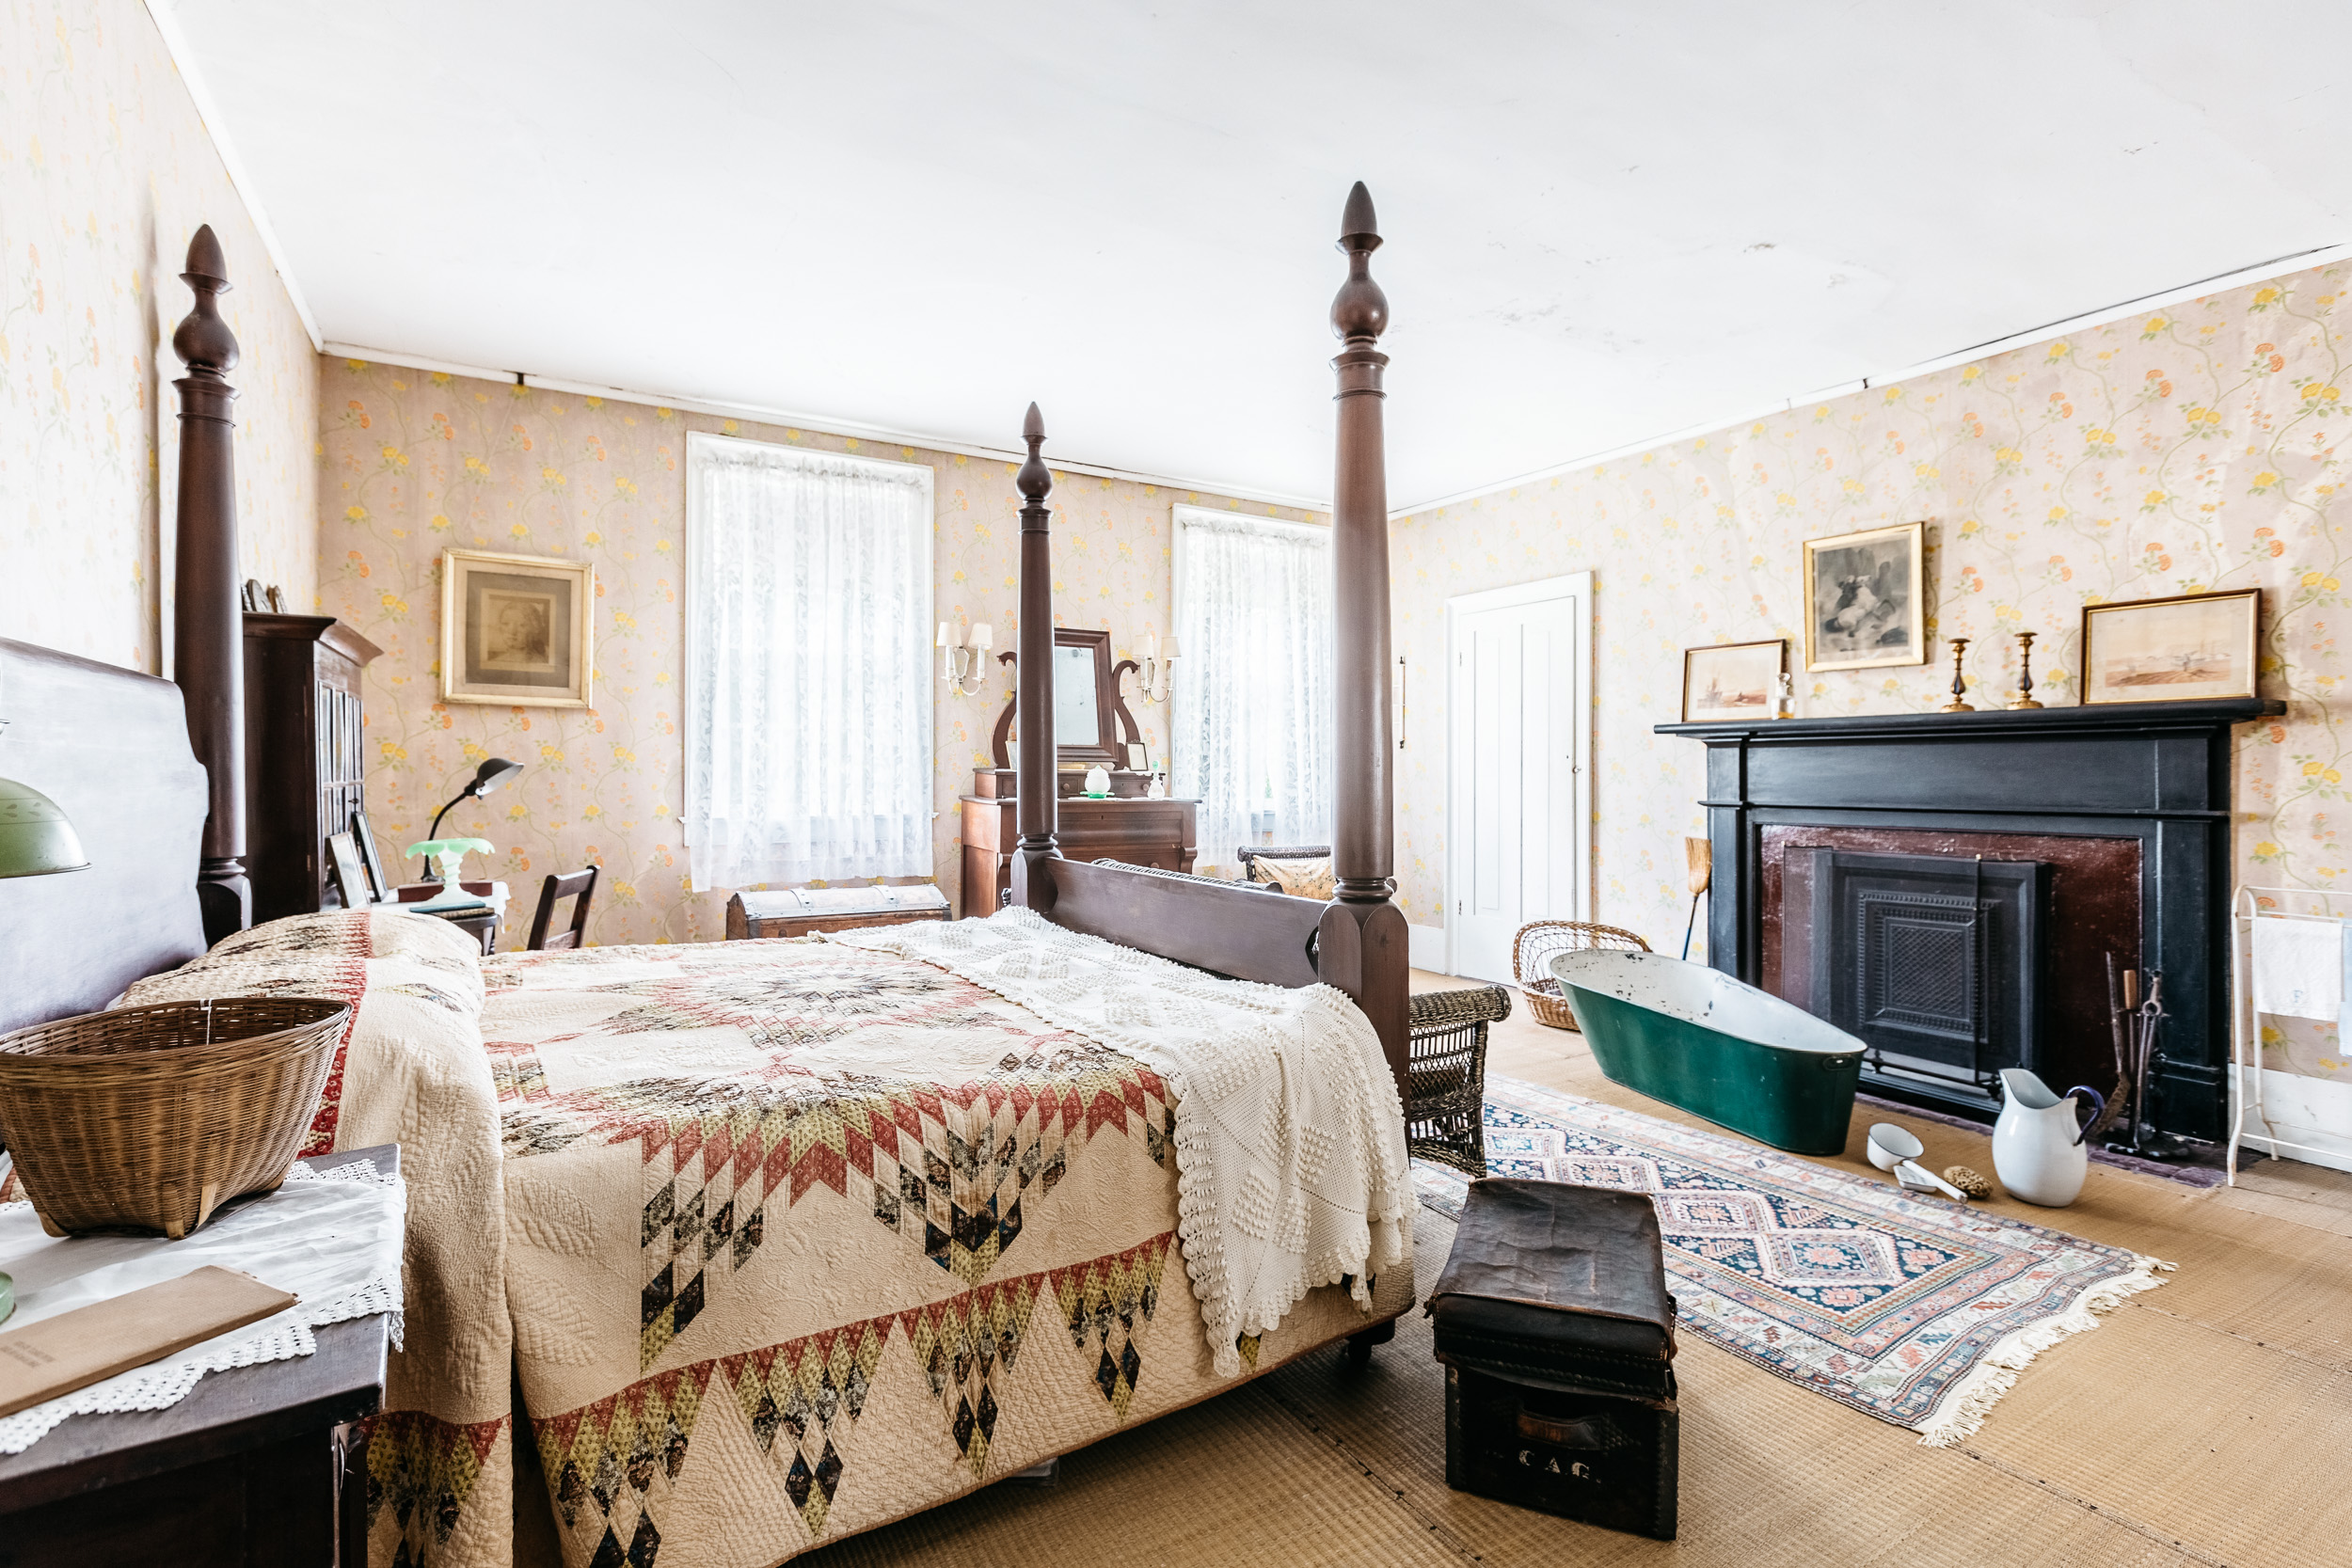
349,872
1736,680
364,837
515,629
2178,650
1864,599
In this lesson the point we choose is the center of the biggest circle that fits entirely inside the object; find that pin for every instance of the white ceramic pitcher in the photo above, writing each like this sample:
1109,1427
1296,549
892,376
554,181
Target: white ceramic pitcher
2038,1142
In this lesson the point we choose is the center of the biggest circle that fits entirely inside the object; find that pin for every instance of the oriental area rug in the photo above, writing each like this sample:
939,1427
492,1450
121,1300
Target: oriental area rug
1916,1310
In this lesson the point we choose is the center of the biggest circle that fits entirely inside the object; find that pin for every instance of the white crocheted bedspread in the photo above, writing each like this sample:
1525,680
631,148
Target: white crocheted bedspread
332,1237
1290,1136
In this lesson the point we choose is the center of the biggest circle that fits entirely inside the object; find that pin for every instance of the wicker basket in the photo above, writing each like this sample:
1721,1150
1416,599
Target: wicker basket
149,1118
1534,949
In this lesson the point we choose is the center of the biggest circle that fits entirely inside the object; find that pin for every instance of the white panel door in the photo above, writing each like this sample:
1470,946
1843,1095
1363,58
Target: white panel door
1517,715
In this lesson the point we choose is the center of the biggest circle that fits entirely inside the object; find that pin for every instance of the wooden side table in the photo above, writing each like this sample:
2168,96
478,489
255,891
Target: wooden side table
249,1471
796,912
482,924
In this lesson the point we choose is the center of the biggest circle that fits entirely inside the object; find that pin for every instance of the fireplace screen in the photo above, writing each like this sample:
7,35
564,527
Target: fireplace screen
1933,960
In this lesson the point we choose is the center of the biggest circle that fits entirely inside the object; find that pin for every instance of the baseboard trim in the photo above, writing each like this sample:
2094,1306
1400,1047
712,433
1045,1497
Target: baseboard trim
1426,947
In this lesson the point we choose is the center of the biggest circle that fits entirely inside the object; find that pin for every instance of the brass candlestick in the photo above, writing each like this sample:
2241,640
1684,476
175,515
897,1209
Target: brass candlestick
2025,672
1960,703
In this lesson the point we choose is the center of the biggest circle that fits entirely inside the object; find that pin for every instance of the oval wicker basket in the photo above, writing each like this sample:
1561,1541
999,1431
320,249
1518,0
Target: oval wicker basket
149,1118
1533,948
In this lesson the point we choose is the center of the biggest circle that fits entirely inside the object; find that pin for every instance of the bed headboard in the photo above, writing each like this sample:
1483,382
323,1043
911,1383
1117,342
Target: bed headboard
110,747
1357,942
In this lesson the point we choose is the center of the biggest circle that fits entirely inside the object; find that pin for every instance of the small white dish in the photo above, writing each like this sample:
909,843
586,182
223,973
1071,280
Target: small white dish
1918,1179
1890,1145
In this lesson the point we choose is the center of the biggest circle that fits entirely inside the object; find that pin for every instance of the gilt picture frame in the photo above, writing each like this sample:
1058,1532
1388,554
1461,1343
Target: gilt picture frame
2191,647
517,630
1732,681
1866,603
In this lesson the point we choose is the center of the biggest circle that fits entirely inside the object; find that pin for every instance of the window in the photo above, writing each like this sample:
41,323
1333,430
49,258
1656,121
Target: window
1251,714
808,702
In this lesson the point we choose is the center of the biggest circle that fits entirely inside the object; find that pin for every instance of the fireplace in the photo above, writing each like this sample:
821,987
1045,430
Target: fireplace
1948,887
1934,961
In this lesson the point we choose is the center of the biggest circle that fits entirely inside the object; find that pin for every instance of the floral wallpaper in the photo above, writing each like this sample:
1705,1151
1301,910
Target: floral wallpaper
413,461
105,172
2195,447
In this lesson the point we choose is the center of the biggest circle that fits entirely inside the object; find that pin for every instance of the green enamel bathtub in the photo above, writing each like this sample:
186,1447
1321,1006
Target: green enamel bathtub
1701,1041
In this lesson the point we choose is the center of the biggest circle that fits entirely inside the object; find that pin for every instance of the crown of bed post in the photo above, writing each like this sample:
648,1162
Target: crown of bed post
207,640
1038,807
1363,940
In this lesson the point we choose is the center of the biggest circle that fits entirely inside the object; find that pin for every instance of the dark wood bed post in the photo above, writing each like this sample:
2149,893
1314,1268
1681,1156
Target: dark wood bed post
207,642
1362,944
1038,807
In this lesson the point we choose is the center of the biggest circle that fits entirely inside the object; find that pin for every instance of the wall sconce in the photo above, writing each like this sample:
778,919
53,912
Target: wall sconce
1157,668
960,662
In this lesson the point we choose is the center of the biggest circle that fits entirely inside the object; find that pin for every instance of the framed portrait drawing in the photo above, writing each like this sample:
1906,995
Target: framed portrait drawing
2178,650
1736,680
1864,599
515,629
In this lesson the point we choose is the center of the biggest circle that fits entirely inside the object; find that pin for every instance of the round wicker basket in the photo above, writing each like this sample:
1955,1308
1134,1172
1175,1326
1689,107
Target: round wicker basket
149,1118
1532,952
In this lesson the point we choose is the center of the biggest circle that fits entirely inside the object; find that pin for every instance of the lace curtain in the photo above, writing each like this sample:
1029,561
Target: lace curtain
1251,714
808,711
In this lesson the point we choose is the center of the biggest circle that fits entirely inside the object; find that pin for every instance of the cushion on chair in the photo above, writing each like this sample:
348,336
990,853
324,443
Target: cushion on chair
1300,878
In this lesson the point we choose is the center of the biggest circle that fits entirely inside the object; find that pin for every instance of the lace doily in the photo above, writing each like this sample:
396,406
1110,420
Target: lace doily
331,1237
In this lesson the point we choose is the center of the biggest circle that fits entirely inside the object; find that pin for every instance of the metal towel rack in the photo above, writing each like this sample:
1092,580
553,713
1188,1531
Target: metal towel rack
2245,1024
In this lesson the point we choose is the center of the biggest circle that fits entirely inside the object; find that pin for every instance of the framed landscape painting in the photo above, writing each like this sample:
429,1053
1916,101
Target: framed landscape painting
1864,599
2177,650
515,629
1734,681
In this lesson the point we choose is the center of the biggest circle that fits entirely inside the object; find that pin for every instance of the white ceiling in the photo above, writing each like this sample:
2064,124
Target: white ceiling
1605,222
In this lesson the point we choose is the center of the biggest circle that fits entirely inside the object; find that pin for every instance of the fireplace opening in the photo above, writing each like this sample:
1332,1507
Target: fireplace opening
1933,962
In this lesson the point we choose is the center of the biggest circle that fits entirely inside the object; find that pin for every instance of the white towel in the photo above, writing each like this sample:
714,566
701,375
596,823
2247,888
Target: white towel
2298,968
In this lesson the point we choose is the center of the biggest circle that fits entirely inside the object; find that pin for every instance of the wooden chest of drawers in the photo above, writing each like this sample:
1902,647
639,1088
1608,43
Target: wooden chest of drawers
1158,833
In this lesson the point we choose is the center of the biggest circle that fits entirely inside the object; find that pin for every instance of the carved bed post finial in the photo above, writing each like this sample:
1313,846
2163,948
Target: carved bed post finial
1363,937
208,641
1039,808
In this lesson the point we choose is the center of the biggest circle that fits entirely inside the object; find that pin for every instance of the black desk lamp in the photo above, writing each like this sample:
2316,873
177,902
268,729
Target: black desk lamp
494,774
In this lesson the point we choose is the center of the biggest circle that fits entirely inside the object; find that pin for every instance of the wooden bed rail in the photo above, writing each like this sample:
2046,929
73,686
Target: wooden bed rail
1359,941
1235,931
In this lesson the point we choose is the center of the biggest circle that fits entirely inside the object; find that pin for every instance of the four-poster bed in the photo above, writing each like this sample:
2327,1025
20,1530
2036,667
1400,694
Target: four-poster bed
785,1240
1358,943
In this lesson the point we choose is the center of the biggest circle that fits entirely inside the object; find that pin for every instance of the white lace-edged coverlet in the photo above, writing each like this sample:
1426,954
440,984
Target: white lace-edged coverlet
1290,1136
332,1237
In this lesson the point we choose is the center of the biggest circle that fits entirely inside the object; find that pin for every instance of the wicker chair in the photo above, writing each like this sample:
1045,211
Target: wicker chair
1445,1079
1536,946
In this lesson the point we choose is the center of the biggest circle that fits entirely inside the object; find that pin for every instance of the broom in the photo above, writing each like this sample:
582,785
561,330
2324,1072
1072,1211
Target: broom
1699,856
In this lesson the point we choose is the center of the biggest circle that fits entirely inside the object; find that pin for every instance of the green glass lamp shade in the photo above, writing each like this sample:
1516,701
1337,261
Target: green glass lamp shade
34,836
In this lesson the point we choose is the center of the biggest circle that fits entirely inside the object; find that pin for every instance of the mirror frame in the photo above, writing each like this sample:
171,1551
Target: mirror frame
1111,752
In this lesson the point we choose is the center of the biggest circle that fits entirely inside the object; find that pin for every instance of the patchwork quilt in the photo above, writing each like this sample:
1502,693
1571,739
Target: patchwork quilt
785,1240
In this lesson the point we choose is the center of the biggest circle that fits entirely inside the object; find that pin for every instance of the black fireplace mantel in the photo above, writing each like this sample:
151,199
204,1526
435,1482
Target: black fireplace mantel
2155,771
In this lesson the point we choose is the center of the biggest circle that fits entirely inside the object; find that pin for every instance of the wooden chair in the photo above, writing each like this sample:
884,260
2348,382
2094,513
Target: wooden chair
581,886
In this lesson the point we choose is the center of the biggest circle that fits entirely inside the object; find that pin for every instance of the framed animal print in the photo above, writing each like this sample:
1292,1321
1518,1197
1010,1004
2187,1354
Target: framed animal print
1732,681
2178,650
1866,599
515,629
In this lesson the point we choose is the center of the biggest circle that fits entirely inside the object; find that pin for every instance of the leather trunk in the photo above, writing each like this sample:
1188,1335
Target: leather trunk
1553,1321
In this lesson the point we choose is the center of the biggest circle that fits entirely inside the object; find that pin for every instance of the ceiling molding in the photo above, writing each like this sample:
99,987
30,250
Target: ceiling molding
822,425
2278,266
183,61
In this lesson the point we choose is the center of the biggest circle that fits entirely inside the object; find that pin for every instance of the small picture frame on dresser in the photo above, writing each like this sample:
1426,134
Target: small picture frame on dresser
348,872
364,836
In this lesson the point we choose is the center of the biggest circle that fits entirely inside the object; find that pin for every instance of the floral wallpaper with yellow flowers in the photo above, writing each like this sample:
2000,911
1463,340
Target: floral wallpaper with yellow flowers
2195,447
412,461
106,173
